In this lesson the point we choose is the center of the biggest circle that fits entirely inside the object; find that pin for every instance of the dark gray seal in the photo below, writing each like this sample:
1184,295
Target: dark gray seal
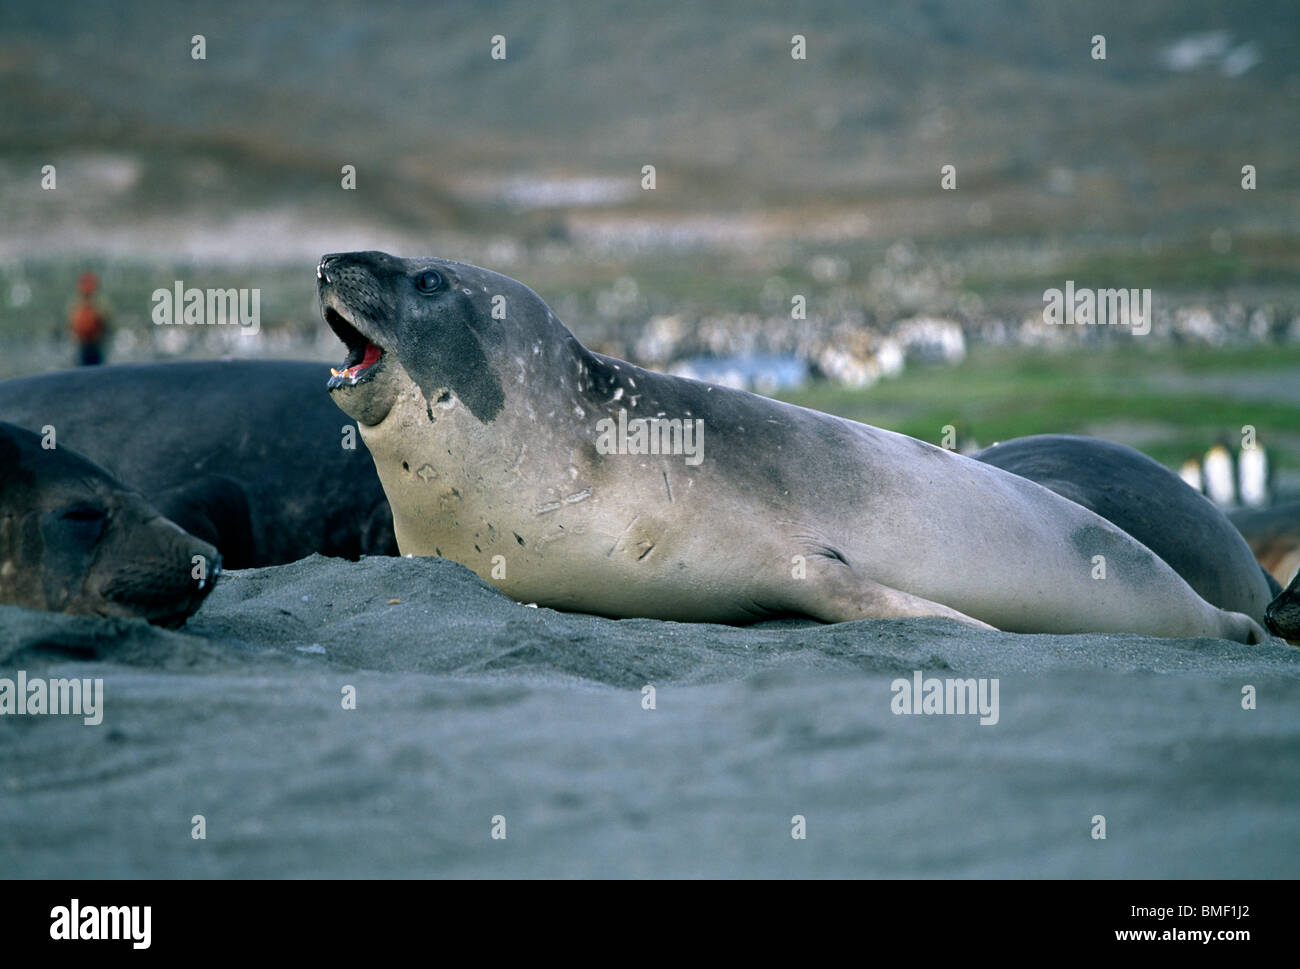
578,481
1151,503
75,539
1283,613
248,455
1273,534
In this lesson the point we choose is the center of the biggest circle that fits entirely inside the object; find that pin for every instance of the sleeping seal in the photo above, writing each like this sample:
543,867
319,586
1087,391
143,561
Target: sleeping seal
582,482
1151,503
1283,614
249,455
74,539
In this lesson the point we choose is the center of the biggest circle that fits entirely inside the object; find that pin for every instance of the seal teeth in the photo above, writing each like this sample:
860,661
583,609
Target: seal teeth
363,353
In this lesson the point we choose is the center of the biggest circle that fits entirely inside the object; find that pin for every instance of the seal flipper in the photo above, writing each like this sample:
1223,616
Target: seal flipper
832,592
1240,628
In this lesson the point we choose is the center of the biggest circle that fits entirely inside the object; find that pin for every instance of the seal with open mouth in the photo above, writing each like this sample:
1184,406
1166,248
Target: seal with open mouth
506,445
75,539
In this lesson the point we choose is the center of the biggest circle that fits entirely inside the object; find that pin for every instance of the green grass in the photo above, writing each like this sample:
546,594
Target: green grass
999,394
1254,260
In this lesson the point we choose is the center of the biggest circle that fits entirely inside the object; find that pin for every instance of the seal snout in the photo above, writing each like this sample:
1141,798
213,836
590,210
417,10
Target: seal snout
338,287
153,568
322,267
1282,617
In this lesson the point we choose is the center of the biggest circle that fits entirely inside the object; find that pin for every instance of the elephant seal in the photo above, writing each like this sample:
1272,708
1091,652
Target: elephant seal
1283,613
1273,534
75,539
1151,503
505,444
248,455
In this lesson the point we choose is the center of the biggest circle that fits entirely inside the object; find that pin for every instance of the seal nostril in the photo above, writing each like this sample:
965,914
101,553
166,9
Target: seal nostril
323,267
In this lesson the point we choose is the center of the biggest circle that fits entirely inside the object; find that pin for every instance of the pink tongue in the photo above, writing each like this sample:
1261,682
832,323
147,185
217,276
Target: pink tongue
372,356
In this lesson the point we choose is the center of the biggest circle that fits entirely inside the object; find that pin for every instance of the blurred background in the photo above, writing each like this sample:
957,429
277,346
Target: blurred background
775,178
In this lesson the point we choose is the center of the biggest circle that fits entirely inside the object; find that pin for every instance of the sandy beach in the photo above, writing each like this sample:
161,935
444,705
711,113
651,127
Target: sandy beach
472,707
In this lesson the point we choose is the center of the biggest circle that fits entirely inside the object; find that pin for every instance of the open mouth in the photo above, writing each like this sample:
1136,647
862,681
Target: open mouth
363,359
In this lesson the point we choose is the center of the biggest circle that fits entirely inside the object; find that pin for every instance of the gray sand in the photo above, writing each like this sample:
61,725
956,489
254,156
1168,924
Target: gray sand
470,705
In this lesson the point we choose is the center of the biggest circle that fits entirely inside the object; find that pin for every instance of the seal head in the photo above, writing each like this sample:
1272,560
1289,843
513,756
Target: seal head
75,539
1283,614
434,322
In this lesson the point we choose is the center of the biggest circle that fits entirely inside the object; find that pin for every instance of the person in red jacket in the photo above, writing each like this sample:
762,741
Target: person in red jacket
87,322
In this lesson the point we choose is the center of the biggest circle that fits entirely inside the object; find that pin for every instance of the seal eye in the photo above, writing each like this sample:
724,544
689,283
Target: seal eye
428,281
82,514
77,526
